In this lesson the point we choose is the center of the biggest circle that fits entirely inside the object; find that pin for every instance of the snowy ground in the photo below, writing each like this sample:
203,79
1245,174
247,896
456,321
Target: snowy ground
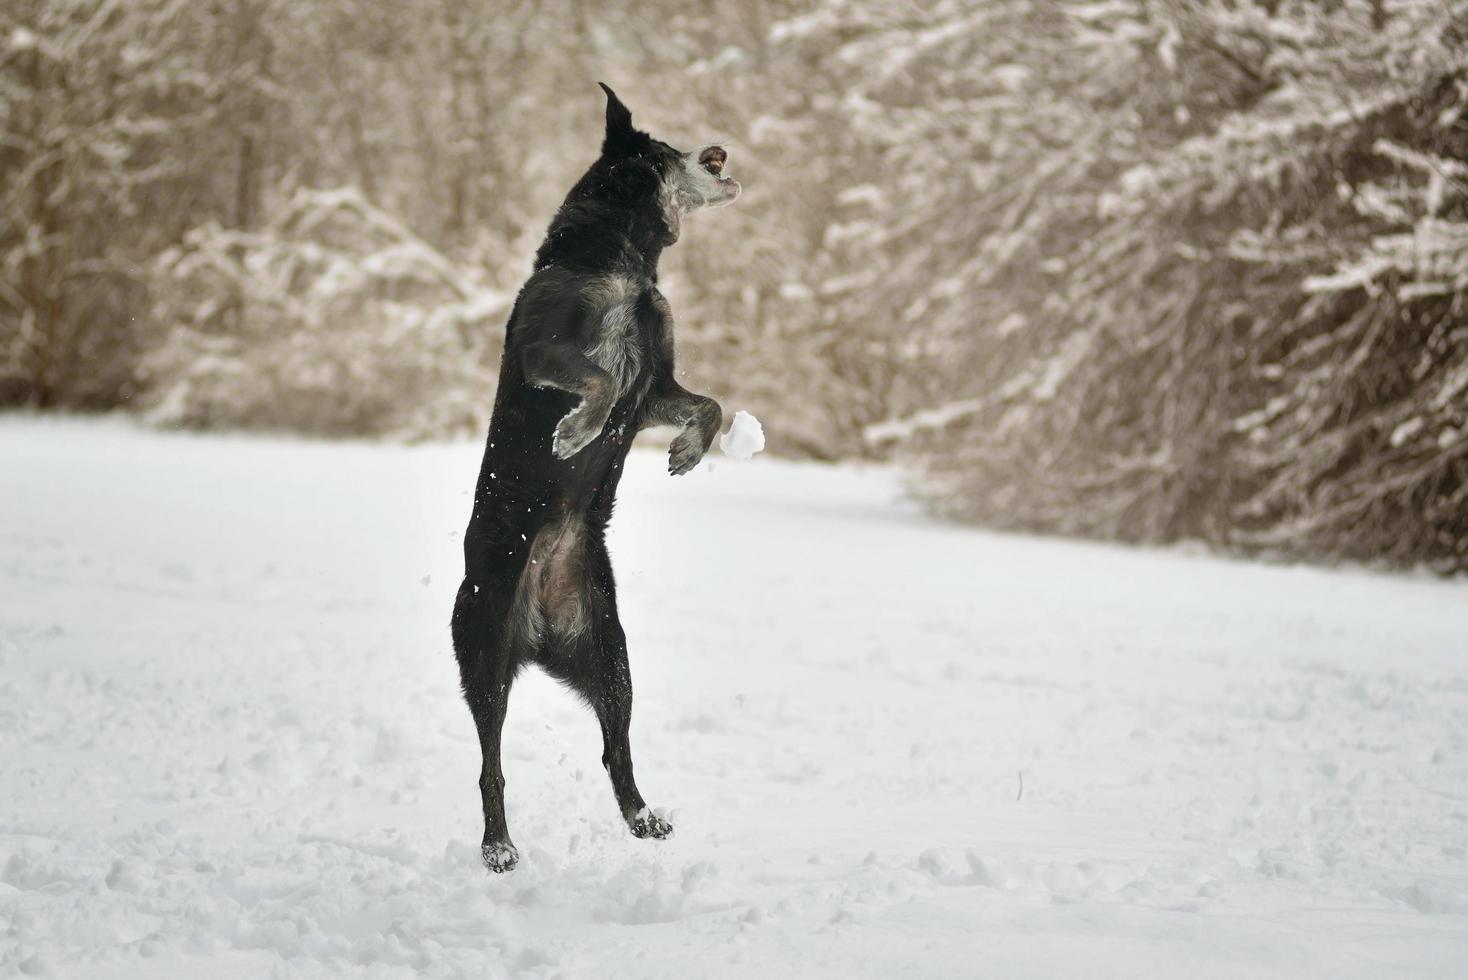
232,745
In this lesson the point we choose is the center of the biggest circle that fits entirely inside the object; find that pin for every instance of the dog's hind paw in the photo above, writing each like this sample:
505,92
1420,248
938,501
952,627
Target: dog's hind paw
645,823
499,856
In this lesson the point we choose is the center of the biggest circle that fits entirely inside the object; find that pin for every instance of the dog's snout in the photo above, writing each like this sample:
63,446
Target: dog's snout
712,159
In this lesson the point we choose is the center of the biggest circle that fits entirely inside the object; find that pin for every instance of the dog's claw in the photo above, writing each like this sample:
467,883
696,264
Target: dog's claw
499,856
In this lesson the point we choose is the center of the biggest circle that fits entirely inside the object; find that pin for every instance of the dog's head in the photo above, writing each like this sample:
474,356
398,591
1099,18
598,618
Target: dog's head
650,176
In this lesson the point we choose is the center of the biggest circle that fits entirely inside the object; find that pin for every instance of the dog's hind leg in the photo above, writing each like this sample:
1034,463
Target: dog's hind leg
614,713
604,680
486,670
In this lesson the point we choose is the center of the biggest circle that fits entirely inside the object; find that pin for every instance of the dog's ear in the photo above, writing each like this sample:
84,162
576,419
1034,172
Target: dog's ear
621,137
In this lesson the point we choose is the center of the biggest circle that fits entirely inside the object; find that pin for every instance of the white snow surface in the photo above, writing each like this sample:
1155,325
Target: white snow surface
233,743
744,438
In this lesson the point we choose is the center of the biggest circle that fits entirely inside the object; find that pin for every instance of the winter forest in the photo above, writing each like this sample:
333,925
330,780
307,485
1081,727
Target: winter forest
1146,270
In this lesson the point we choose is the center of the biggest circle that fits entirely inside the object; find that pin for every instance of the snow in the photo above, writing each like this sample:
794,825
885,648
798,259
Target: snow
893,430
22,40
233,742
744,438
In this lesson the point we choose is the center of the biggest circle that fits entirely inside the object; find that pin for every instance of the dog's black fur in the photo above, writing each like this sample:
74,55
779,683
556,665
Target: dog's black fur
588,362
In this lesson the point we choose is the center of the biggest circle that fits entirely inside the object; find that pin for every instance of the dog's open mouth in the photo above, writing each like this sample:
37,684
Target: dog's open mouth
712,159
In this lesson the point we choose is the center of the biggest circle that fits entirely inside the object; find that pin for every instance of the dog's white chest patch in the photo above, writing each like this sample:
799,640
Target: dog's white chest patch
615,346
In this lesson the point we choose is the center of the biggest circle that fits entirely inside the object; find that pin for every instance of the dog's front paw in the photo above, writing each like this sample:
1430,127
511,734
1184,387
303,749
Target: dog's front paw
577,429
685,452
499,856
645,823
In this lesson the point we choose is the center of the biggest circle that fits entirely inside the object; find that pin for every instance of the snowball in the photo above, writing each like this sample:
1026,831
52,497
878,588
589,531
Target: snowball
744,438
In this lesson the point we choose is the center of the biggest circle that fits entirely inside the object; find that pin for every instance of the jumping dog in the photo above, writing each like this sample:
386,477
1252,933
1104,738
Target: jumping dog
588,362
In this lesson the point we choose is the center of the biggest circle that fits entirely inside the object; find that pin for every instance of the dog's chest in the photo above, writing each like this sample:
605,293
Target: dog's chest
616,344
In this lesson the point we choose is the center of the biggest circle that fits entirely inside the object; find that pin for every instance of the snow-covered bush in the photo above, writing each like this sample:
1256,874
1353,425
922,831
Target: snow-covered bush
332,319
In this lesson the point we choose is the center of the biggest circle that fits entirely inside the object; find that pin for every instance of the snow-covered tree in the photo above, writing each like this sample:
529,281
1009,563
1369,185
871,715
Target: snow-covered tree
1227,300
98,102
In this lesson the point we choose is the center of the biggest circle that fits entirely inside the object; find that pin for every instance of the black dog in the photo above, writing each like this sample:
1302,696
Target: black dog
588,363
